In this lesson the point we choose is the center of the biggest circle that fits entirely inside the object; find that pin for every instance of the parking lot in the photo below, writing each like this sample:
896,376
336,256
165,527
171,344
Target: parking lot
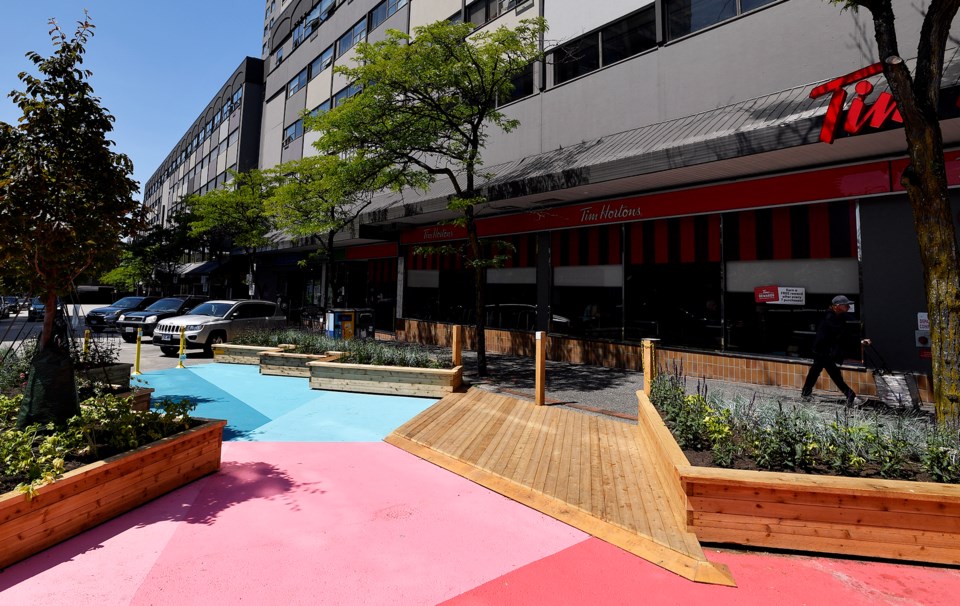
15,329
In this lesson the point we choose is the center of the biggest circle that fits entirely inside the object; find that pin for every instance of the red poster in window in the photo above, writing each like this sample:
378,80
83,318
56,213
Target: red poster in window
766,294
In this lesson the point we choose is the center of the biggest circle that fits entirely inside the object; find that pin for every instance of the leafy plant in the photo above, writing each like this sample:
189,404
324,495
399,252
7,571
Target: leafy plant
38,454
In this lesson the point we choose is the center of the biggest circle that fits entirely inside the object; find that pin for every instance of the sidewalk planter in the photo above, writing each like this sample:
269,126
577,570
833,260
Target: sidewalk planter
242,354
390,380
292,364
894,519
112,374
95,493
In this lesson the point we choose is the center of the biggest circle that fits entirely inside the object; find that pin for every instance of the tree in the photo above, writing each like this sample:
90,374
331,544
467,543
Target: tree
65,203
925,179
426,106
321,195
236,212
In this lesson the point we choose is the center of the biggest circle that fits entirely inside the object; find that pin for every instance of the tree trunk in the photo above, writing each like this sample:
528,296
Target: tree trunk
939,254
479,282
51,392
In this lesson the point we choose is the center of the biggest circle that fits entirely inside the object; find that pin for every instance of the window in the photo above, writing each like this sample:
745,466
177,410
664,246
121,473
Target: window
576,58
237,95
299,34
522,86
629,36
292,132
323,107
384,11
353,35
227,108
234,136
216,119
684,17
483,11
278,56
345,93
321,63
298,82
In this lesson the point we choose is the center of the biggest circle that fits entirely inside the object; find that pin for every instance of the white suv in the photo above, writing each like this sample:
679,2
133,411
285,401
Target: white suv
216,322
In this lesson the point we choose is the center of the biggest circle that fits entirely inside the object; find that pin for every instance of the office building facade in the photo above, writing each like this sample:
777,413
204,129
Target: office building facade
673,176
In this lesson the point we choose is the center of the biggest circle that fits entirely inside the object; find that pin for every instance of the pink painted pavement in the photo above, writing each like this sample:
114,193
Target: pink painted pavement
366,523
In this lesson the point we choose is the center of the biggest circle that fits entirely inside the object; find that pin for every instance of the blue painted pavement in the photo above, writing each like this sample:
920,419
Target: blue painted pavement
282,409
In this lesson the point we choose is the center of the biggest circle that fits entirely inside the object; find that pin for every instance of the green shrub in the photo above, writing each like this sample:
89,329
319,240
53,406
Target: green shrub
106,425
941,454
785,442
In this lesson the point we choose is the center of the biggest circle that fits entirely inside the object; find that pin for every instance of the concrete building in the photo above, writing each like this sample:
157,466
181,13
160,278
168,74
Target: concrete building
671,178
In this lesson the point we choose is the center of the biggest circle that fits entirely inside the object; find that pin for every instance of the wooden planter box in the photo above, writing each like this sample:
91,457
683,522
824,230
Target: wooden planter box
895,519
391,380
292,364
242,354
98,492
113,374
141,398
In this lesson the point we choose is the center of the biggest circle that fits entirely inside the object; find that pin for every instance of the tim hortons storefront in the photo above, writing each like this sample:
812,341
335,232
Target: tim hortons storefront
731,277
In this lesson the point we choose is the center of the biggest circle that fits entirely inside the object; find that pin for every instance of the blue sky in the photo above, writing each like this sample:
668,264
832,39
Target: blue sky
155,63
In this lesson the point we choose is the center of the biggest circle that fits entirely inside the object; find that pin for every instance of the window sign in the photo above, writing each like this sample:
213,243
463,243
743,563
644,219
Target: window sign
780,295
923,321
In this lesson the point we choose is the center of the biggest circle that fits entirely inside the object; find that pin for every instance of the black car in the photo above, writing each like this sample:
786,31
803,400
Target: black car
10,305
129,322
101,318
36,308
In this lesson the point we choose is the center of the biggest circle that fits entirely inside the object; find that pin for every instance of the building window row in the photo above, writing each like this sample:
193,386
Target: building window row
384,11
345,93
355,34
311,22
293,132
322,62
617,41
684,17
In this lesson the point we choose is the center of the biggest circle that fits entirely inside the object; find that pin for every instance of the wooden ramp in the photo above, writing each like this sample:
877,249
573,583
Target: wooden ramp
590,472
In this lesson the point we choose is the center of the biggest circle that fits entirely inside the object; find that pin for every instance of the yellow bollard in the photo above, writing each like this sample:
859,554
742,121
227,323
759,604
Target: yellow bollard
86,344
136,360
183,346
540,383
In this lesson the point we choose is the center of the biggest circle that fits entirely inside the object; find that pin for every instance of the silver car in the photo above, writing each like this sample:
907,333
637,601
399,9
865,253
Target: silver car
216,322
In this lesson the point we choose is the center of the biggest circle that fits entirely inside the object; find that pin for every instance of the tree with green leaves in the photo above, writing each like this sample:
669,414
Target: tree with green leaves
427,104
237,213
66,201
925,179
319,196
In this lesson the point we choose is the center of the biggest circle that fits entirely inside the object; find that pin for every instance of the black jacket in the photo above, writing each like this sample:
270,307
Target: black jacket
829,333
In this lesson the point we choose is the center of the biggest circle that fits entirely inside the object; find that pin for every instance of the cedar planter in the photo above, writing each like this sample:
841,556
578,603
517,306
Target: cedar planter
242,354
112,374
390,380
141,398
292,364
95,493
895,519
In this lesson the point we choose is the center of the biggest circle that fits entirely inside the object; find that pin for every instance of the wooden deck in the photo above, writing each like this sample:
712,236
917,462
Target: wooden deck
593,473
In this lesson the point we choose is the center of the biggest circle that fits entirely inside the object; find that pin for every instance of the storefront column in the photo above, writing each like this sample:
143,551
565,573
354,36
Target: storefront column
544,281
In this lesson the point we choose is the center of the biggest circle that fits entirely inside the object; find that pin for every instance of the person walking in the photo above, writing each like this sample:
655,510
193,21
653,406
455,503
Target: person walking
826,350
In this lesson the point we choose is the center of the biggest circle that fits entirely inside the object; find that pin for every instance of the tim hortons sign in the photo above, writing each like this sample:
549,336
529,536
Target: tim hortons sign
861,113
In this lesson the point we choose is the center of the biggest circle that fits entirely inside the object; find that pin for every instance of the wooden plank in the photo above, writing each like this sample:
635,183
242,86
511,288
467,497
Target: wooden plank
495,458
816,531
880,501
814,514
120,492
76,481
408,389
925,491
536,470
547,469
597,496
469,430
571,471
521,455
831,545
487,430
613,509
680,563
585,482
431,415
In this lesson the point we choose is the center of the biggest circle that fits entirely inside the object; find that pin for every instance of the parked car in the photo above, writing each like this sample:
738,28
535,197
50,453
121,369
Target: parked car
10,305
101,318
216,322
37,307
128,322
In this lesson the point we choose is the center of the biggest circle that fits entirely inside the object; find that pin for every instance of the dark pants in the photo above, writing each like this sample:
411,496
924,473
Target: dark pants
825,363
